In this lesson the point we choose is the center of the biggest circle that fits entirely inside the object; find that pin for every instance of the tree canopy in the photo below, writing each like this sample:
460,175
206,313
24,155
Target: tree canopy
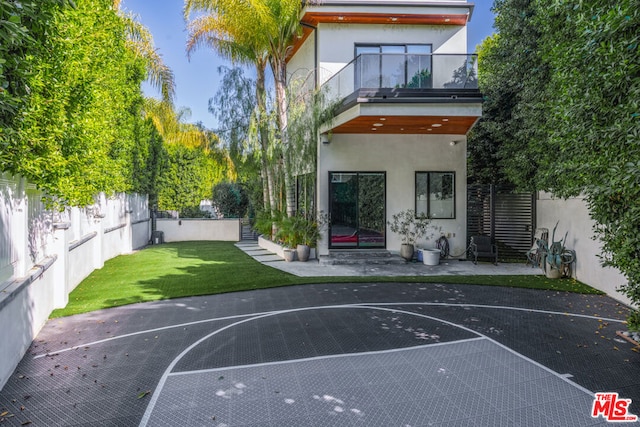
73,119
562,81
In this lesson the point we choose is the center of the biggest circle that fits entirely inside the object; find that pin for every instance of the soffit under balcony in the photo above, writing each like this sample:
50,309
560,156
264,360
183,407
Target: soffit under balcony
405,119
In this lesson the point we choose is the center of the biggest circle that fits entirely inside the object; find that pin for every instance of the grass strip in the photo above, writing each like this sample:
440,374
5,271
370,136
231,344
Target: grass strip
184,269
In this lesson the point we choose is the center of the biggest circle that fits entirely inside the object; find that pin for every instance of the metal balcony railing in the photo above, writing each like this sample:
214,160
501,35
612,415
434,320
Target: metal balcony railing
403,71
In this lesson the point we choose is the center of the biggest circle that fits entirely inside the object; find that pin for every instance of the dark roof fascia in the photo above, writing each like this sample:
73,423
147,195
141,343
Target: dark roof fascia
411,96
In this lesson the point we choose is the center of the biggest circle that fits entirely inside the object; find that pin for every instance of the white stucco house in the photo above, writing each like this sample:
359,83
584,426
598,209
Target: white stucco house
409,96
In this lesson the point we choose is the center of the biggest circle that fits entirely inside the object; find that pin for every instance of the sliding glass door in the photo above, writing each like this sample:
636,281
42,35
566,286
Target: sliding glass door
357,208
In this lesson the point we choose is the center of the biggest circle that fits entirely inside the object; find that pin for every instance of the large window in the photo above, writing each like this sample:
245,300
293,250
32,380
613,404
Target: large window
435,194
393,66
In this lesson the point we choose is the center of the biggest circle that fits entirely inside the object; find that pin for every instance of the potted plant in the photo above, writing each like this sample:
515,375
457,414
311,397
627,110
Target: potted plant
288,236
307,231
557,256
411,228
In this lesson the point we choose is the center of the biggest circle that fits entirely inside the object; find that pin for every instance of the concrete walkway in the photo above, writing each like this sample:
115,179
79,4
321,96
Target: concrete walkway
368,354
453,267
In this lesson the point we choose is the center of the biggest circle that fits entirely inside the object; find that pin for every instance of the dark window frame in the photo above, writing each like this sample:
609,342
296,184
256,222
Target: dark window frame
357,173
428,183
405,45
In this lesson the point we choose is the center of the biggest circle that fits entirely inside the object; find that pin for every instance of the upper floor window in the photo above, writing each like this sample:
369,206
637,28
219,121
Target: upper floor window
393,66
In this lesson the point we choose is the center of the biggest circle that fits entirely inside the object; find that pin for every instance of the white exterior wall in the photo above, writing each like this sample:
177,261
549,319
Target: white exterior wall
302,66
574,217
400,156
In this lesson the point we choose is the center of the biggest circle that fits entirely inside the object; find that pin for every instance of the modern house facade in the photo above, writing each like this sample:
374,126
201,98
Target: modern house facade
408,96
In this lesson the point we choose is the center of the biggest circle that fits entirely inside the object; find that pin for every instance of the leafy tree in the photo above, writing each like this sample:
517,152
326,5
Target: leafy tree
186,178
593,120
508,143
24,27
235,105
562,81
231,199
229,28
70,97
260,30
74,134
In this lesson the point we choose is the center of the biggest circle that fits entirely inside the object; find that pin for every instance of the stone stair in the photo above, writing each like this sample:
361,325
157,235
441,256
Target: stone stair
248,233
360,257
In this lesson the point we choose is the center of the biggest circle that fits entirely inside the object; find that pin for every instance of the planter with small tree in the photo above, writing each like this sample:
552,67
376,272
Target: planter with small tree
410,227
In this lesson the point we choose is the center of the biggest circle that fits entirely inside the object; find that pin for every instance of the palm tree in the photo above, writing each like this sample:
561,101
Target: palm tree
280,21
231,35
140,41
265,28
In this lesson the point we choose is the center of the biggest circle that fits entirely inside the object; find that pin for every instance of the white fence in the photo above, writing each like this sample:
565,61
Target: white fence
44,255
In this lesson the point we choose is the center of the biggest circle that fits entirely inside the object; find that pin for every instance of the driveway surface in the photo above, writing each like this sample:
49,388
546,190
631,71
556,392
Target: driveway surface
377,354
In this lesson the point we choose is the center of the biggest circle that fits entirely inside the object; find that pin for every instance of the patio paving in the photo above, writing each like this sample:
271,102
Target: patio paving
376,354
453,267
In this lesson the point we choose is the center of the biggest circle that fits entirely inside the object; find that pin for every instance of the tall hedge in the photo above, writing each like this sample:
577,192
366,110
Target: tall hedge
75,99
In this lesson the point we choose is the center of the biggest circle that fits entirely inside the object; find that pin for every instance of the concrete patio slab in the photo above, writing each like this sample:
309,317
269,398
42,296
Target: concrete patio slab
453,267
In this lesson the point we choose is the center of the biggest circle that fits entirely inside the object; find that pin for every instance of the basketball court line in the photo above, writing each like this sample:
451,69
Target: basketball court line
239,316
158,391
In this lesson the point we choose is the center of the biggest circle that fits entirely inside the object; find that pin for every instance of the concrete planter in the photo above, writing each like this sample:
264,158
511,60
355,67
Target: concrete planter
303,252
289,254
406,251
277,249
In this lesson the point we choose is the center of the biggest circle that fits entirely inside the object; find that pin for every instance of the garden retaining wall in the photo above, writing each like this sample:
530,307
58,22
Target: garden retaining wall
182,230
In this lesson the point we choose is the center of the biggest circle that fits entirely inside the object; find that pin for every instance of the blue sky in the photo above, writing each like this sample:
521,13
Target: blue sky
197,78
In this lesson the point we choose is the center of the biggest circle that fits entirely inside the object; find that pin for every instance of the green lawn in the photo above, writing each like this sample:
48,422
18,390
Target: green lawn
203,268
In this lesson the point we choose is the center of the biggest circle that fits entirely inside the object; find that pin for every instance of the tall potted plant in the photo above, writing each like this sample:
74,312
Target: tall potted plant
308,232
557,256
289,236
410,227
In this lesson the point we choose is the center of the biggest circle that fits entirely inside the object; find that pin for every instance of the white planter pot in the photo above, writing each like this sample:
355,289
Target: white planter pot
431,256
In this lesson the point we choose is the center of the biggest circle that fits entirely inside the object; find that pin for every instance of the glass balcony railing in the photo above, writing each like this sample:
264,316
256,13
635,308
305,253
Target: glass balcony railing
403,71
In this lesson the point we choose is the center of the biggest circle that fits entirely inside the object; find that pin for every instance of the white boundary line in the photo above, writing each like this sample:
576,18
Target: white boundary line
150,407
239,316
328,356
147,331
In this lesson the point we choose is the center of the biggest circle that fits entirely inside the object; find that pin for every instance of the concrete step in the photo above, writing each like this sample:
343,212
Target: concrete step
248,233
360,257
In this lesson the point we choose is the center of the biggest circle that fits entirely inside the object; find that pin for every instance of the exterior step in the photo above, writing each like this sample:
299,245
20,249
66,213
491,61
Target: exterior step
248,233
360,257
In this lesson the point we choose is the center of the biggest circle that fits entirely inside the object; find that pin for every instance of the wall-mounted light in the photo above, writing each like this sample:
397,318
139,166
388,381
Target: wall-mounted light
454,142
325,138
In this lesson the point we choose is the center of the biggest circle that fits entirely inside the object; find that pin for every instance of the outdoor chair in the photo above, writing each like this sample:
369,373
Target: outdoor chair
483,247
539,247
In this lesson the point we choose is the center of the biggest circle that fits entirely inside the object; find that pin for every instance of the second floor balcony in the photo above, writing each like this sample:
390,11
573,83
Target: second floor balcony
400,76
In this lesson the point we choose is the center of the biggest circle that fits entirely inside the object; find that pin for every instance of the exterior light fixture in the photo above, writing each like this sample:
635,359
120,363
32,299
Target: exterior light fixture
436,125
378,125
